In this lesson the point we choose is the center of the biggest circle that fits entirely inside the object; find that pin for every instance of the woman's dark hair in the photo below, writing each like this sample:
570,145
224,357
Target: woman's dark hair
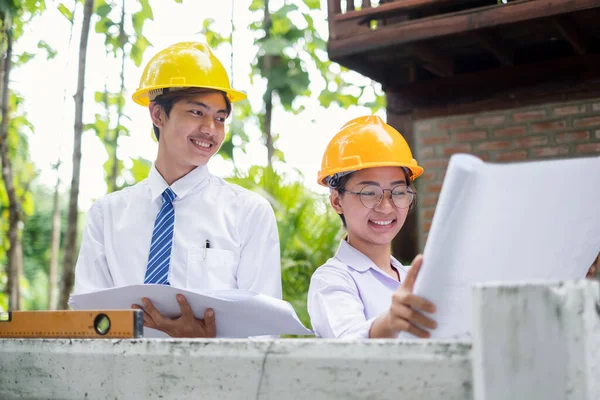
169,97
341,184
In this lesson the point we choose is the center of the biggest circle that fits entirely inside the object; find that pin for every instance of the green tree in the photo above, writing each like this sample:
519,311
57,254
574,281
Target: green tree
309,231
123,38
17,171
287,52
68,271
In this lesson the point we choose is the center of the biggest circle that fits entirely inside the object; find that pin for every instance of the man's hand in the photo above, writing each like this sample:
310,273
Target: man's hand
186,325
403,314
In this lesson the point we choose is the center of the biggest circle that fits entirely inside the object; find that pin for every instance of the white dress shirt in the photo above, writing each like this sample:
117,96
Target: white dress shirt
348,292
240,225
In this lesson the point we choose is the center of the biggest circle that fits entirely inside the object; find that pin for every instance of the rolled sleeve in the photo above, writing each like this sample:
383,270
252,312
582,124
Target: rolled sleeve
335,307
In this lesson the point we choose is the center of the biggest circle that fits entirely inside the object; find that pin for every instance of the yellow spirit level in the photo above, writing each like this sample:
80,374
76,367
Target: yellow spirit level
109,324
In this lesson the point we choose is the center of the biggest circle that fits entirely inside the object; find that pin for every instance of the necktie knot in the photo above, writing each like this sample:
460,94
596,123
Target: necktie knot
168,195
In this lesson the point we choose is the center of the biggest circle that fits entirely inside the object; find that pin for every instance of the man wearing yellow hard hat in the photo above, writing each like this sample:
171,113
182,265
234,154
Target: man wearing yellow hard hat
364,292
182,226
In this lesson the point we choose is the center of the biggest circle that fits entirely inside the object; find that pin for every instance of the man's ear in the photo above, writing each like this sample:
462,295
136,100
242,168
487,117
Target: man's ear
157,114
335,201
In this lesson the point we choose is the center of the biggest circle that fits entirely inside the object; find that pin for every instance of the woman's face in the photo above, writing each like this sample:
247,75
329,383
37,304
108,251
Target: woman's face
368,226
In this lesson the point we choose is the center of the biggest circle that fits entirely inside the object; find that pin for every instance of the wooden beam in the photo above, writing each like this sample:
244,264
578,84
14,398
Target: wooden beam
571,33
387,9
482,86
333,9
455,23
433,60
502,52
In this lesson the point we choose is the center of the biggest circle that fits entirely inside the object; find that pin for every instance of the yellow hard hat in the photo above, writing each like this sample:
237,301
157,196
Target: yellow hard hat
367,142
184,65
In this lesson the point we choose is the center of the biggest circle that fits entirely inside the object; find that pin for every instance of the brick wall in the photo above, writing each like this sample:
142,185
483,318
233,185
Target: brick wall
559,130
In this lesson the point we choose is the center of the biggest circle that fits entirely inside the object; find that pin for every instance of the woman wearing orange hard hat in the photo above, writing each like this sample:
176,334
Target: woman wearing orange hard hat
182,226
364,292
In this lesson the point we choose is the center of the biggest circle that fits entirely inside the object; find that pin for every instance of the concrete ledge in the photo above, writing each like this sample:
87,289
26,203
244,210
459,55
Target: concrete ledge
234,369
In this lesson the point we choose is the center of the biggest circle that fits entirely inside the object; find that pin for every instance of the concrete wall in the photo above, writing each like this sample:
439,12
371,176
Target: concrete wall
530,342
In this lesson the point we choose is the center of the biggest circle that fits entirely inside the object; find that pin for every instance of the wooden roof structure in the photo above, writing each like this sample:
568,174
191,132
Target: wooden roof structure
435,52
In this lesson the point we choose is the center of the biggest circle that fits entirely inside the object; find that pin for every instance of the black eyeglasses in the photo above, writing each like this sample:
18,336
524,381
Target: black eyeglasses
371,196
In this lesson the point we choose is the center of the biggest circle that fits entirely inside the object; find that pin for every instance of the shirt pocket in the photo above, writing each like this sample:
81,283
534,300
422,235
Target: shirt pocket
210,269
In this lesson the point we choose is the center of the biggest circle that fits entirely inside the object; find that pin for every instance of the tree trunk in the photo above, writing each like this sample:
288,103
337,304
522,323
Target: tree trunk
68,271
55,246
268,98
18,263
12,268
115,166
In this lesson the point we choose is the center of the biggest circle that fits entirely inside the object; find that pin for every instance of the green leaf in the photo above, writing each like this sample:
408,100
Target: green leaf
140,169
24,58
68,14
50,52
274,46
257,5
138,49
103,9
313,4
99,97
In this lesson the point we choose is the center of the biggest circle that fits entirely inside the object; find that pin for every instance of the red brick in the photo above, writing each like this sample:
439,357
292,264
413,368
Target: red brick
433,188
427,176
494,145
426,227
529,115
512,156
548,126
482,155
588,148
435,163
454,124
532,141
426,152
569,110
428,214
551,151
491,120
590,121
424,127
471,136
435,139
459,148
428,201
572,136
512,131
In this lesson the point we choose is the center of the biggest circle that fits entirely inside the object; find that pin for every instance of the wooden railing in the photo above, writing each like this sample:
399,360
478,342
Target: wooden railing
354,17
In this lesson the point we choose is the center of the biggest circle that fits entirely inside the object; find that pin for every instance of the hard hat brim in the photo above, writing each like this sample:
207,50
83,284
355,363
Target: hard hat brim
416,170
141,97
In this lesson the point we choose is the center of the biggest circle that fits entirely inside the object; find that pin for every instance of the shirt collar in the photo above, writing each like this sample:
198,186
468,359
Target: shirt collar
360,262
181,187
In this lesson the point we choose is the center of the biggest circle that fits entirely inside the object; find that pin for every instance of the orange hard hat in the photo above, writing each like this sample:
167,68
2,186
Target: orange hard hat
184,65
367,142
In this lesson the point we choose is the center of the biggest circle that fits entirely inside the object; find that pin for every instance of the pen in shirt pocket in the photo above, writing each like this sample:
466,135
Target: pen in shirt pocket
206,246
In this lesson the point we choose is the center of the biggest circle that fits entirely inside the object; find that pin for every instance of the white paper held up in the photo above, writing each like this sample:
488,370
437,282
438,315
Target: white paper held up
238,313
530,221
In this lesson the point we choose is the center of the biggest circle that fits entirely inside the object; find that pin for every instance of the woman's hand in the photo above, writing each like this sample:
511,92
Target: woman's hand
404,314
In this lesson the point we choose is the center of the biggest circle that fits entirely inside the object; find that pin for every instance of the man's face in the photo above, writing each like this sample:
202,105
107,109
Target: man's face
194,130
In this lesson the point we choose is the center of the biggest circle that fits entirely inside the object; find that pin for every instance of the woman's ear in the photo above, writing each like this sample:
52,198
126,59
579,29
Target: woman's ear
156,114
335,201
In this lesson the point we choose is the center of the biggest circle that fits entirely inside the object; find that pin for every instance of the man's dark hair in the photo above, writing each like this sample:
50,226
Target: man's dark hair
169,97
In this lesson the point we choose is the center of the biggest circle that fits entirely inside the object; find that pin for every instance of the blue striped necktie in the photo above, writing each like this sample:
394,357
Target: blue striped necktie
162,242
